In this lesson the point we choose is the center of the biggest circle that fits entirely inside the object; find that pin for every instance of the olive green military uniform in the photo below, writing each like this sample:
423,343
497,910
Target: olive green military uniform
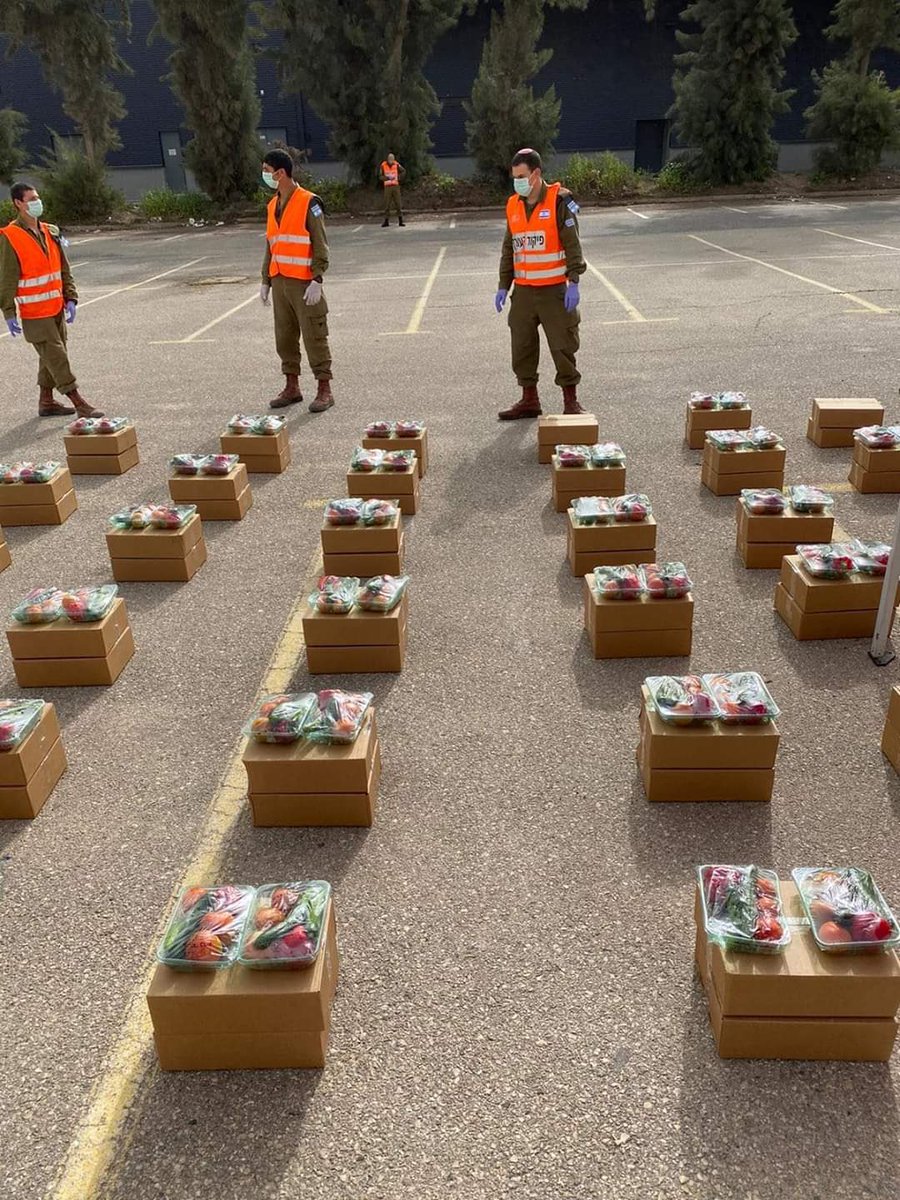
294,318
532,308
392,194
46,334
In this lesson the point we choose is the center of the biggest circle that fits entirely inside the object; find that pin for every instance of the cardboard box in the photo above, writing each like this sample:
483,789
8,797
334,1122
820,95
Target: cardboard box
893,712
5,556
19,765
26,495
226,510
643,615
828,439
818,626
877,462
22,802
357,660
565,429
568,483
883,482
733,485
155,543
69,639
848,413
363,539
853,593
890,745
160,570
798,528
650,643
356,628
257,445
583,562
698,422
244,1019
711,747
37,514
363,565
662,786
325,809
310,767
400,486
196,489
742,462
764,555
77,672
104,464
625,535
101,445
419,444
802,981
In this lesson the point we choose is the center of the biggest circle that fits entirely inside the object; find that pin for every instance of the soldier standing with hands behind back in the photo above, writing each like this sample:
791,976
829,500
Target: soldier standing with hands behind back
391,175
542,255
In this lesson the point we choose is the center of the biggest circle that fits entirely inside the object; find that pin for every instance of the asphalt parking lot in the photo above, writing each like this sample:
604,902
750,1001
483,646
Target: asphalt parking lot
517,1013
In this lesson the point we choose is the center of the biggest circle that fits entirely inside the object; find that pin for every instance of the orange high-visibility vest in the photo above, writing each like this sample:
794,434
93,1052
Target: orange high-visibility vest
391,174
289,242
39,293
539,259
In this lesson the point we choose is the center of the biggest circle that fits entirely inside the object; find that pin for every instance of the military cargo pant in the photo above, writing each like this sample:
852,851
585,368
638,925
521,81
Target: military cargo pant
48,336
532,308
392,201
295,319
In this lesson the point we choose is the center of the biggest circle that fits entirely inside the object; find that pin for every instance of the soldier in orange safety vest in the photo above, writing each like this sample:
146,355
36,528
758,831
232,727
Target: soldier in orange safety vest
542,256
391,175
296,258
38,298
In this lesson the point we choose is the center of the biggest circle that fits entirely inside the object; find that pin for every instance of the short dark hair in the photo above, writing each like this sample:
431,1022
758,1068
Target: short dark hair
529,157
19,191
281,161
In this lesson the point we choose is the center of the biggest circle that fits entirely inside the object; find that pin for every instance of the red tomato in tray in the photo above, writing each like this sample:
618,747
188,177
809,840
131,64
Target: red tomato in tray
870,927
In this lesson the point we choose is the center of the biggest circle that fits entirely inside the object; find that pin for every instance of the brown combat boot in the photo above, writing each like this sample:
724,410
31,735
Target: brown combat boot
48,407
528,406
570,401
289,394
82,407
324,398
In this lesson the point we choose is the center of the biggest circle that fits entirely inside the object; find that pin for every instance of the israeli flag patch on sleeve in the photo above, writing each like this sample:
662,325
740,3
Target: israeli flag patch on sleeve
570,221
316,210
572,207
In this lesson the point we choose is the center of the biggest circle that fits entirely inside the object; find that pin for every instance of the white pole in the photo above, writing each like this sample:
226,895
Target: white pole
880,651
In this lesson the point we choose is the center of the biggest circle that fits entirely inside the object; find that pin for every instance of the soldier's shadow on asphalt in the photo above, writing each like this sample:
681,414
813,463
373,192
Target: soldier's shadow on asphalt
36,429
482,482
668,840
806,1120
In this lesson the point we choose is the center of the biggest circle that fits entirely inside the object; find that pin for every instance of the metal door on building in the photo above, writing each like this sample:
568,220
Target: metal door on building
651,143
173,161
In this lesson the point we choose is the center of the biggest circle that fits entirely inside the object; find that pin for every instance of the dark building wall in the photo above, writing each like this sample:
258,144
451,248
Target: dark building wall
610,68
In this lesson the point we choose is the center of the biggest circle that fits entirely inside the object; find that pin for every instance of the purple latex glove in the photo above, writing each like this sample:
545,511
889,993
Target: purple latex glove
500,299
13,326
70,311
573,296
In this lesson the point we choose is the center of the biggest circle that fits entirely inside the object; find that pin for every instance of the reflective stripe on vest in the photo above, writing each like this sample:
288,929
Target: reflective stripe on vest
539,259
289,241
391,174
37,269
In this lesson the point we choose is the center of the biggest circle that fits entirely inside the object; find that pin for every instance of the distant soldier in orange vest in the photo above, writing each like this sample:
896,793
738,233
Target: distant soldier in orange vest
296,259
35,278
542,256
391,175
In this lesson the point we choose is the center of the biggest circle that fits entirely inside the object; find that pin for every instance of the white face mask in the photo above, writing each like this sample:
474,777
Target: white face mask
522,184
269,179
34,208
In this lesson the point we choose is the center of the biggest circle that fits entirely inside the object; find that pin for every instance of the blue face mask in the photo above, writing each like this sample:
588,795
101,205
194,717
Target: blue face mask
269,180
34,208
523,185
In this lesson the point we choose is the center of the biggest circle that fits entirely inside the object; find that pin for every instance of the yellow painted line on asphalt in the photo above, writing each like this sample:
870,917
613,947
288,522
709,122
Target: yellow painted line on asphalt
793,275
633,314
93,1147
419,311
862,241
193,337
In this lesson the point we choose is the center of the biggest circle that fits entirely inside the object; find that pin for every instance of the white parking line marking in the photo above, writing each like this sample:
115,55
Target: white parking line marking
863,241
193,337
635,213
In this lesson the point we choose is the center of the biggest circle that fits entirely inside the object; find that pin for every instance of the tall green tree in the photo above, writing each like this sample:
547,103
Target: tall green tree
76,43
214,76
361,65
728,85
855,109
13,125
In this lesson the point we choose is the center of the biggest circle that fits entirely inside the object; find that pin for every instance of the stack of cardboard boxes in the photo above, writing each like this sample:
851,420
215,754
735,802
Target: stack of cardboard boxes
816,608
102,453
646,627
49,503
728,472
870,471
5,557
419,443
564,429
68,653
402,487
763,539
612,545
216,497
261,453
157,555
710,761
357,642
30,771
241,1019
831,422
890,738
364,550
802,1003
310,783
699,421
571,482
